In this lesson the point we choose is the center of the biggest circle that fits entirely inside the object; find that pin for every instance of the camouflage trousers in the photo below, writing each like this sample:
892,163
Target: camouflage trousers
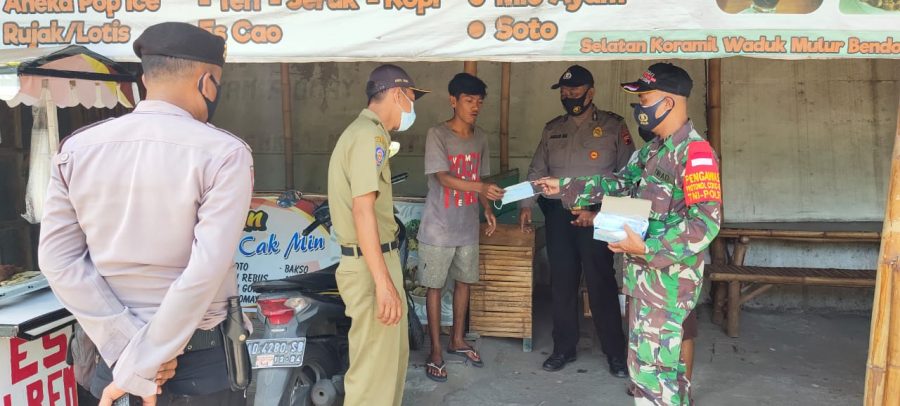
654,354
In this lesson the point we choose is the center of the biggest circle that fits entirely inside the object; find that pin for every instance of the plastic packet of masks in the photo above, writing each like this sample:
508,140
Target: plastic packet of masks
611,227
616,212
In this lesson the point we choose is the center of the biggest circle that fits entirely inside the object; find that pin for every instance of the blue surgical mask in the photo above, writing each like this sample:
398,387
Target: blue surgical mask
514,193
407,119
646,115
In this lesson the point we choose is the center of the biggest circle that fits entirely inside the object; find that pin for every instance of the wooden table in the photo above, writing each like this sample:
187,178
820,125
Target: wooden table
742,233
817,231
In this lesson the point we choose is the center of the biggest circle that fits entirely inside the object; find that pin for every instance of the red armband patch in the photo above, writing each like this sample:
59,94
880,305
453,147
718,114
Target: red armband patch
702,182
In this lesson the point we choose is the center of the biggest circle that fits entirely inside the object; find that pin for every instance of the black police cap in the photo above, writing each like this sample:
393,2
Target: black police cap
182,41
662,76
575,76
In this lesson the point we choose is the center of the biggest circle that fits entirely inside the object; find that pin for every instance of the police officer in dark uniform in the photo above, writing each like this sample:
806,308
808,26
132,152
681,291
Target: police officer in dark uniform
583,141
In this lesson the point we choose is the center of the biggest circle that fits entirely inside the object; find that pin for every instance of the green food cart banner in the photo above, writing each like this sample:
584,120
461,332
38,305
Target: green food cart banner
500,30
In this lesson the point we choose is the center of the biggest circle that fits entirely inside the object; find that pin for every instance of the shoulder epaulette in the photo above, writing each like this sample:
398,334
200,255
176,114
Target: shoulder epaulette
81,130
556,119
614,116
226,132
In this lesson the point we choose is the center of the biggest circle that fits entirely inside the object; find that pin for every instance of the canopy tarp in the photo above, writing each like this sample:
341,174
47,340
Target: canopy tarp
499,30
72,75
47,78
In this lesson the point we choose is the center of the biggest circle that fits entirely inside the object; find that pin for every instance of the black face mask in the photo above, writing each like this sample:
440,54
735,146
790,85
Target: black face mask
646,115
646,135
210,104
575,107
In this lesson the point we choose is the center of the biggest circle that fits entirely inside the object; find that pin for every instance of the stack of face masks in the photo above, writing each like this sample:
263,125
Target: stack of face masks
615,213
611,227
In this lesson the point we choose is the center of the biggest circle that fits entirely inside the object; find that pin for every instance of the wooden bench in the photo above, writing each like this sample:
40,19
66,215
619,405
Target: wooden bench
736,284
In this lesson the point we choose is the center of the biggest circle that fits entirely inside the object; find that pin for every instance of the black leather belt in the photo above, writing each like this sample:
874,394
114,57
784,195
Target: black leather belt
355,251
204,340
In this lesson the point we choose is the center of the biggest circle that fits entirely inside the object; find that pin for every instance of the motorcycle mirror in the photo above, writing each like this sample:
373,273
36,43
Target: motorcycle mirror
310,228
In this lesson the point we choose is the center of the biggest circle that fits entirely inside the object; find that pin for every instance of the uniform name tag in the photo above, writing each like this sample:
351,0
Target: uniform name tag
559,136
664,176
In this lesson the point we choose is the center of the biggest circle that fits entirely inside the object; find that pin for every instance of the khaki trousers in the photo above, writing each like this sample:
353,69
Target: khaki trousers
379,354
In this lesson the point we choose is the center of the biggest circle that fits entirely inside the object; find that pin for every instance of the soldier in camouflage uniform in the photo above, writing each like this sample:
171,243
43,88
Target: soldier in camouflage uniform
678,172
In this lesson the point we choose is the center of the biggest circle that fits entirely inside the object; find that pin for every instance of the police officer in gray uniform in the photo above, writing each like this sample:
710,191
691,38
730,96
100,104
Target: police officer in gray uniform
584,141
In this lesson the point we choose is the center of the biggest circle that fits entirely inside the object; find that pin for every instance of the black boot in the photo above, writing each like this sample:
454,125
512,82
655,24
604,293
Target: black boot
557,362
618,368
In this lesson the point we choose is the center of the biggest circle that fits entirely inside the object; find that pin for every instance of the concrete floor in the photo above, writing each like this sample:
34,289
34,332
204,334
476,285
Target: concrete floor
780,359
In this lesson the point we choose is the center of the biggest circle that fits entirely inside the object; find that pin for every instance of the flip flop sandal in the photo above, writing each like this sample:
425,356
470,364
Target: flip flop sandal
465,354
440,368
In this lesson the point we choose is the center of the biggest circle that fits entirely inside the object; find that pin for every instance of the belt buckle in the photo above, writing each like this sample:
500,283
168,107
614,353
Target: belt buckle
355,251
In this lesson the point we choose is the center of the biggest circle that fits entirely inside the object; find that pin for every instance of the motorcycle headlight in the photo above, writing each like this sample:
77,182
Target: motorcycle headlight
299,304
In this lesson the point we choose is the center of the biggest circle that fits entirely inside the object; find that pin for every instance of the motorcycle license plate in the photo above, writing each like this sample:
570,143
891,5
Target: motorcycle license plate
276,352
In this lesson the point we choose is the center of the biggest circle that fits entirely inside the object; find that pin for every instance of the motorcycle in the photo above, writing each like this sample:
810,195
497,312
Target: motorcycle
303,353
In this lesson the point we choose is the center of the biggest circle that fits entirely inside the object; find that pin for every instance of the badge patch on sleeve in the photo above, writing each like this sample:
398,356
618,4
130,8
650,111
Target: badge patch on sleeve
379,155
701,175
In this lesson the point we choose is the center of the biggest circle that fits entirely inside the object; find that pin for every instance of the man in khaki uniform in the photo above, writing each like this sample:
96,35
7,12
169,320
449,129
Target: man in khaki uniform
585,140
362,211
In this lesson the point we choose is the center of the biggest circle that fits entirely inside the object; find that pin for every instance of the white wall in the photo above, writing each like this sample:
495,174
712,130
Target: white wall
808,140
